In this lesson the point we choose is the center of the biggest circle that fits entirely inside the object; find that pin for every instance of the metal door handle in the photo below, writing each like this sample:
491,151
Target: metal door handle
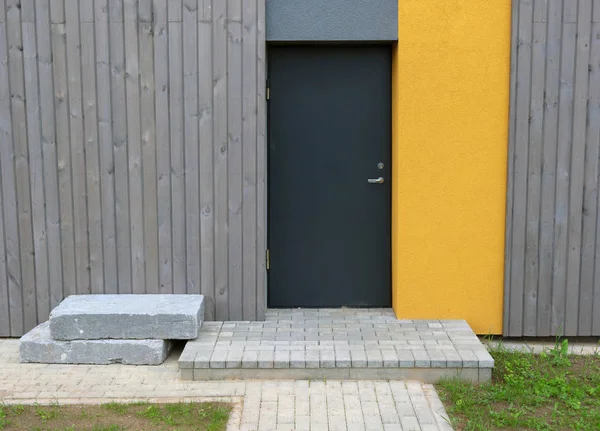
375,180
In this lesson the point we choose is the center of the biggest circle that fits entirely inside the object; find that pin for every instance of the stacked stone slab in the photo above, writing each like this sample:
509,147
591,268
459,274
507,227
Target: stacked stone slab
106,329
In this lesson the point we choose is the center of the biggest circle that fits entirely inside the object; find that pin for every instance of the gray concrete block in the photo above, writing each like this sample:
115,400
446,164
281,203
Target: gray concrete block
218,359
359,358
327,359
39,347
95,317
342,359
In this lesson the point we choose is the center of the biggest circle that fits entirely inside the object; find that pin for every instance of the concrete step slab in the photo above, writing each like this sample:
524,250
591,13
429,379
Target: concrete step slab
96,317
37,346
342,344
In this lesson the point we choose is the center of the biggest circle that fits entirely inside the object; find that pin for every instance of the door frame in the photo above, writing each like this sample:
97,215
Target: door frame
267,155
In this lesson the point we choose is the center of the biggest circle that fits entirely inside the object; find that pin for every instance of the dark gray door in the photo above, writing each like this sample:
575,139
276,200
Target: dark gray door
329,143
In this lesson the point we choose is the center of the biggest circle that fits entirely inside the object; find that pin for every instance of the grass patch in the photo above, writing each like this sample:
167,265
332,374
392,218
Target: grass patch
116,417
552,391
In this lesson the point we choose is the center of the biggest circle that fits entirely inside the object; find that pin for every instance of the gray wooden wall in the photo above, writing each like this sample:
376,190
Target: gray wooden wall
553,235
132,153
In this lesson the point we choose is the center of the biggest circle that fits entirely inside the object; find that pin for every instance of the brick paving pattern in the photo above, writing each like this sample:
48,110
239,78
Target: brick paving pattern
259,405
335,339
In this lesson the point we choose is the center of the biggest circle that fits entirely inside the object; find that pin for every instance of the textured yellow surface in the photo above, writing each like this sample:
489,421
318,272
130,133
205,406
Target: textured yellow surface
450,134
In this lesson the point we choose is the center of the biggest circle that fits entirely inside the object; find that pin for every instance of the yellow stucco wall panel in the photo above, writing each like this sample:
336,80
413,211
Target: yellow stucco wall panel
450,134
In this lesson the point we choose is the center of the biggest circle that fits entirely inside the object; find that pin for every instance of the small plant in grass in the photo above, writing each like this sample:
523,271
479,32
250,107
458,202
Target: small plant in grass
551,391
560,352
116,417
4,422
17,409
116,407
179,409
156,415
47,413
108,428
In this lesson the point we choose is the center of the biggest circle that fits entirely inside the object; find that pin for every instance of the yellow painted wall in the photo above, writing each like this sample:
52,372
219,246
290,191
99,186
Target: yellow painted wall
450,135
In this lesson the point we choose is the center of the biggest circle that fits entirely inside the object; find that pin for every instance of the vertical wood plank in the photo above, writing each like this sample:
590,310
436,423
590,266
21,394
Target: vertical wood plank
205,133
249,119
48,134
577,171
553,47
4,299
563,155
134,145
77,148
92,151
57,11
594,142
7,207
86,12
261,162
534,179
220,158
148,131
178,210
234,11
190,112
175,10
61,112
234,162
570,11
589,302
106,133
41,289
205,11
105,139
163,149
540,10
514,43
145,12
120,142
520,167
21,162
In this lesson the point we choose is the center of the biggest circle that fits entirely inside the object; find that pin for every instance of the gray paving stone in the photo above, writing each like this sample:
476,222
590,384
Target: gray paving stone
218,359
437,358
342,359
485,359
453,359
297,359
266,358
410,424
374,359
390,358
234,359
96,317
421,358
37,346
327,358
406,358
202,359
187,358
282,359
312,359
322,347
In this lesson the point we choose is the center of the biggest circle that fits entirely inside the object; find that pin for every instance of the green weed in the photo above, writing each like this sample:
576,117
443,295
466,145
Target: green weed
552,391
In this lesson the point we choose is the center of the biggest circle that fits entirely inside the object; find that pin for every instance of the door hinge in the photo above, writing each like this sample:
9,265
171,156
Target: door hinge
268,93
268,259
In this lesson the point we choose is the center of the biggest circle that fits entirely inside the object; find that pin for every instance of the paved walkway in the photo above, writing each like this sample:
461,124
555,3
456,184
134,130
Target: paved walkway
259,405
336,344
